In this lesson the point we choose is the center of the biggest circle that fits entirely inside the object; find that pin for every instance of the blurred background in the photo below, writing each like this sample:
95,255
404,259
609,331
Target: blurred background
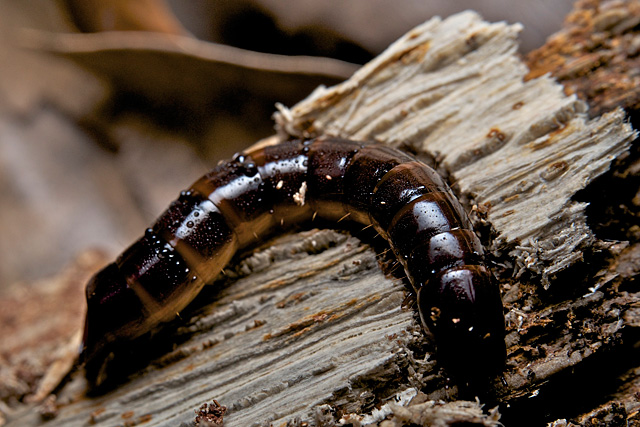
108,108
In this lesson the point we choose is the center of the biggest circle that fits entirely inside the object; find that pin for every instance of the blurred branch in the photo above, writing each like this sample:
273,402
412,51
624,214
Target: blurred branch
124,15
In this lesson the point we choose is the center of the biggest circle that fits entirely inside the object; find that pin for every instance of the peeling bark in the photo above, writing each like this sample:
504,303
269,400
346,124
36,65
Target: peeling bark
308,329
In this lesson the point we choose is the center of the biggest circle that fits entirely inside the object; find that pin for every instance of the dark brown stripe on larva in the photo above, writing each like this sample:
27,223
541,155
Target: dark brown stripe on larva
242,200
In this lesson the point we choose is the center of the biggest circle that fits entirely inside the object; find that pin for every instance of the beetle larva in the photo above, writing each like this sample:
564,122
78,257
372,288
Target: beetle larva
407,202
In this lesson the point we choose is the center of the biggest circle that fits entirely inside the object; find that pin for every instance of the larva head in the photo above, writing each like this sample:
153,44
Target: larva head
462,308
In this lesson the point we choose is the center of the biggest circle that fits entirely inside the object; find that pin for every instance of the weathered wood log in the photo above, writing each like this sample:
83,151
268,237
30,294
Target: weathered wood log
595,58
596,55
308,329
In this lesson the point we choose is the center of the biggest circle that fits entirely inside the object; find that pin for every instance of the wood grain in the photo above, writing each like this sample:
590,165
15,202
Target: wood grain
309,329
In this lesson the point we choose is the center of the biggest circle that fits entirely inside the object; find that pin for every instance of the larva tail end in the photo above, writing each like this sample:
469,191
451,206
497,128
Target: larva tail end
109,314
93,355
84,350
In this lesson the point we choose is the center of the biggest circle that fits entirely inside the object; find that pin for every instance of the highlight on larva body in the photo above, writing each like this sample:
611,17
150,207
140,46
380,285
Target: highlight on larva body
244,199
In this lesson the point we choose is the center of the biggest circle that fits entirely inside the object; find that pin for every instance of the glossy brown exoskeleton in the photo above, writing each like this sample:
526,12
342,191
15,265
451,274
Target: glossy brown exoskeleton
243,199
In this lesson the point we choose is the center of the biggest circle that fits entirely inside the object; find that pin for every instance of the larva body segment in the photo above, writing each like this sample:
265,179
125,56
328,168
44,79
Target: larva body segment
242,200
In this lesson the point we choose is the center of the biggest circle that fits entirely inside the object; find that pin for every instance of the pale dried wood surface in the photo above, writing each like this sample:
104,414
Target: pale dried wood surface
312,329
455,89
